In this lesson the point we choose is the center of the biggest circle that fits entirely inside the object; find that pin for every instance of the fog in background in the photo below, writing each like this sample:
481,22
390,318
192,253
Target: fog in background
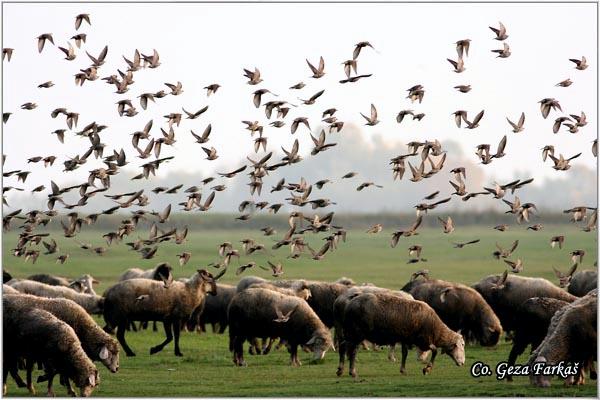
200,44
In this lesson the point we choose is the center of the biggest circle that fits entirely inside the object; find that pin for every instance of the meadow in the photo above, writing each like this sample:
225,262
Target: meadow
206,368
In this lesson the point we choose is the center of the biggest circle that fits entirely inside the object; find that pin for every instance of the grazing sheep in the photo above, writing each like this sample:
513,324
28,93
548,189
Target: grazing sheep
322,294
149,300
572,337
505,293
385,318
93,304
339,307
162,272
98,345
583,281
299,289
537,312
460,307
259,312
37,335
215,309
9,289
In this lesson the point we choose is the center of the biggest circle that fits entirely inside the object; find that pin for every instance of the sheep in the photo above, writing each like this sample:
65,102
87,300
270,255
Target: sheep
6,276
299,289
97,344
162,272
253,313
346,281
215,309
149,300
460,307
538,312
9,289
83,284
582,282
322,294
37,335
339,307
505,293
93,304
571,337
385,318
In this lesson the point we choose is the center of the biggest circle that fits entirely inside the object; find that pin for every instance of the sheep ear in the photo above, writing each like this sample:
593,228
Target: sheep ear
458,331
103,353
76,285
92,380
443,294
311,341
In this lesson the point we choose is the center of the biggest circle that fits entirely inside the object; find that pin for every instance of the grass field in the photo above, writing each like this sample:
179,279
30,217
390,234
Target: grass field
207,370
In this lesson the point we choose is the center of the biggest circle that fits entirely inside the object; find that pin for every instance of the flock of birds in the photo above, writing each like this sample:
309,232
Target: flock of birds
424,159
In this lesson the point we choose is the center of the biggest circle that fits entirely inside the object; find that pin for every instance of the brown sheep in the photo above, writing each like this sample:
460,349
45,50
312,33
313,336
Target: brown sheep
571,337
460,307
298,289
505,293
538,312
339,307
149,300
322,294
582,282
163,272
253,313
37,335
97,344
385,318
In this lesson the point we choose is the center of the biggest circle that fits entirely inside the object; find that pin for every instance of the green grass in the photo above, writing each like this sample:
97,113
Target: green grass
207,370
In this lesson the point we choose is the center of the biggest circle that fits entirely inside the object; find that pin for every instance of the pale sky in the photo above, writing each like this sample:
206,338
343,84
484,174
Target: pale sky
200,44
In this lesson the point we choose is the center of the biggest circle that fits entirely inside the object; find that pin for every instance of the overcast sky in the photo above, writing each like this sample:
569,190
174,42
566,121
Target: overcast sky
200,44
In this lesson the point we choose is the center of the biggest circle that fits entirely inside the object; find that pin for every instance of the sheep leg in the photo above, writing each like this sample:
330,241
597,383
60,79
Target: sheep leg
238,351
352,349
593,373
29,367
517,349
294,356
169,332
176,332
342,353
14,373
50,392
391,355
67,383
429,367
267,349
121,338
404,356
222,327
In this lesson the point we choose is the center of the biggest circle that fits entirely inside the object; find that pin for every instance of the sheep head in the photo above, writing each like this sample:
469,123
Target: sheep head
109,356
87,386
456,349
208,279
319,344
